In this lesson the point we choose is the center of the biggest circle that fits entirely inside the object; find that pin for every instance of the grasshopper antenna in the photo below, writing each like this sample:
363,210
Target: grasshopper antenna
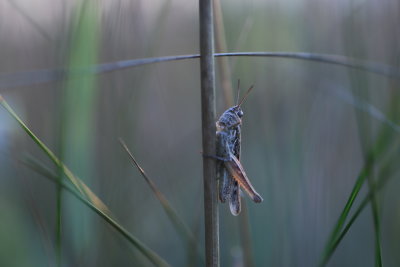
238,92
245,96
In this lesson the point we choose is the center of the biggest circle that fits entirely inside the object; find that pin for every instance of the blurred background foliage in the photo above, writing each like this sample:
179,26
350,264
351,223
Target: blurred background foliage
307,132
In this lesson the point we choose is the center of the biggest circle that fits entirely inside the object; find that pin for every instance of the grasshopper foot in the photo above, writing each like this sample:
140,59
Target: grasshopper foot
216,157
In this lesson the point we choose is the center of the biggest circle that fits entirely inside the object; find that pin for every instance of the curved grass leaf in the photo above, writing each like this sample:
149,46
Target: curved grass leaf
79,185
46,172
84,193
337,233
386,175
345,212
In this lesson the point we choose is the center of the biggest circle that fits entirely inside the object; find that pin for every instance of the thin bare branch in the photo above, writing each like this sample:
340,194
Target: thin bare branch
29,78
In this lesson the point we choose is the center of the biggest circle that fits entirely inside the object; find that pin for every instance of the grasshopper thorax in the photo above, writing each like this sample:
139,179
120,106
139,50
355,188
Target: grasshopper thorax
230,118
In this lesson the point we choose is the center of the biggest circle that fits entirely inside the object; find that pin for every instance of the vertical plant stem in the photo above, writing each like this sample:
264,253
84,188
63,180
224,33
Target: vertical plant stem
58,220
360,87
211,219
225,78
221,47
376,221
245,236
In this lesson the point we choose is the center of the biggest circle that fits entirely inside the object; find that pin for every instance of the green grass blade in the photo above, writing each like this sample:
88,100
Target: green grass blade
177,222
46,172
360,87
342,218
376,222
77,117
82,188
84,193
385,172
59,220
381,145
373,190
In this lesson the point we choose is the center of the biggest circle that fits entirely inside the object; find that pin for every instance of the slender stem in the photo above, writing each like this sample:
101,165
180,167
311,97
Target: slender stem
27,78
178,223
245,236
376,220
58,221
223,64
211,219
31,21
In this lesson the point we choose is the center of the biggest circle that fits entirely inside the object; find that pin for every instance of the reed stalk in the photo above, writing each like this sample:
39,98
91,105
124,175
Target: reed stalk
211,219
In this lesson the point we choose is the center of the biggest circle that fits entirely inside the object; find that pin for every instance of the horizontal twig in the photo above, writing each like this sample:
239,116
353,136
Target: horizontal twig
36,77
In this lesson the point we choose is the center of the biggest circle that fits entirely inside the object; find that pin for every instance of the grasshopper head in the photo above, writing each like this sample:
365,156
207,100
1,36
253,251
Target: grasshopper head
232,116
238,110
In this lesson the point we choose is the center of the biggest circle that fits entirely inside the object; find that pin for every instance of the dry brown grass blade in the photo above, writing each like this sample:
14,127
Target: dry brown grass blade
178,223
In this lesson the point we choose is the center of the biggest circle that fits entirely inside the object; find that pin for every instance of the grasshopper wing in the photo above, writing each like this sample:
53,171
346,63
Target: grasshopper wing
224,178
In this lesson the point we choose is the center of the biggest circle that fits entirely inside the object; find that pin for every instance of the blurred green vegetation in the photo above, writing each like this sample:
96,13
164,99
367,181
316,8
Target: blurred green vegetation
305,140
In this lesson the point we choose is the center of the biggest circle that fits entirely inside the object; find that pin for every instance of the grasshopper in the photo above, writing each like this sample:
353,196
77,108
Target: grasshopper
230,172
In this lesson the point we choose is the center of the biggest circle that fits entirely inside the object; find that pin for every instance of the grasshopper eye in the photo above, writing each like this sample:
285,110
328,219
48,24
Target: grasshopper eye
240,113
